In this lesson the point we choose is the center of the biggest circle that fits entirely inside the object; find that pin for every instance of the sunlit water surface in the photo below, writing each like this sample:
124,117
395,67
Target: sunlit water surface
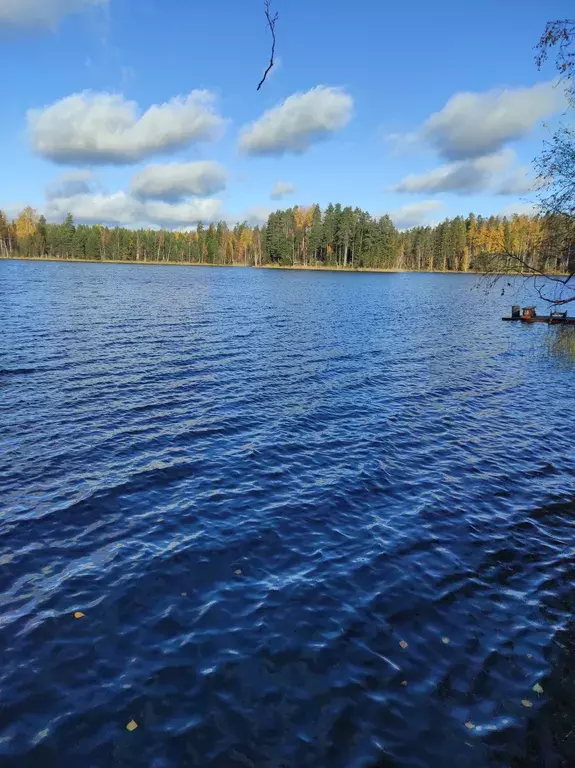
311,519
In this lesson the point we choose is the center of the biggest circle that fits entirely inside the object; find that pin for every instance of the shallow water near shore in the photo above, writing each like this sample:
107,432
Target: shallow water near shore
310,519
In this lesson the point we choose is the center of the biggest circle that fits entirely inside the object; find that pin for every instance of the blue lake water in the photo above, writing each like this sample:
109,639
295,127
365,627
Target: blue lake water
311,519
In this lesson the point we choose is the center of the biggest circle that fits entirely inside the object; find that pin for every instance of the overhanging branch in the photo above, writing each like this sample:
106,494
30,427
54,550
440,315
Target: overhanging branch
529,271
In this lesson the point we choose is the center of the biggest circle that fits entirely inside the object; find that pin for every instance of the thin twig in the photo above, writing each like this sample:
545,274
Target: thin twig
559,33
529,267
272,25
531,272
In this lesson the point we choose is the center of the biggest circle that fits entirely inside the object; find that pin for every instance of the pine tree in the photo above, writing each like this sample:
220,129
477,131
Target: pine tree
92,246
315,234
328,235
41,237
66,239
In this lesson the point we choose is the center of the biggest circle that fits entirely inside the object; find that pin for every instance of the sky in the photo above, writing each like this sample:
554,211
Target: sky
146,113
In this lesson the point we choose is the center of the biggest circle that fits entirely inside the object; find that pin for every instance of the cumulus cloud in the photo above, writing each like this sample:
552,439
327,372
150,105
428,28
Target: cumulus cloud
12,208
282,189
464,177
38,14
416,214
256,216
98,208
123,209
518,208
173,182
79,182
104,128
520,182
298,122
181,214
474,124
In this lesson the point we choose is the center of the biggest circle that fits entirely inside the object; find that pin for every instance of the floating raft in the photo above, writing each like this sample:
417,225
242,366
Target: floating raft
529,315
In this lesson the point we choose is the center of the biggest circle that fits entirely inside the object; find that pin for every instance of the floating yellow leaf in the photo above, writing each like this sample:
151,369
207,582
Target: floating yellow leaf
445,640
403,644
132,725
470,725
79,615
526,703
238,572
537,688
404,682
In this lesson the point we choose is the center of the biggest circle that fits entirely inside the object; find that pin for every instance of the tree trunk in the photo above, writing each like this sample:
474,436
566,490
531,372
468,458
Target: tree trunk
571,260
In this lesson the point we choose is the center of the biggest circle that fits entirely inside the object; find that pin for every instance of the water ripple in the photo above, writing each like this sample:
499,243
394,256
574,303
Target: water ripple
303,528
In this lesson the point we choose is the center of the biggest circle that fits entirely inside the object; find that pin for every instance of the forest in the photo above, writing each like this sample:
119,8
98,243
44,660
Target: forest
338,237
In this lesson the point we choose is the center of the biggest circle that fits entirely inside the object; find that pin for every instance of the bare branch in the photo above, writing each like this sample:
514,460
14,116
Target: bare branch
547,257
557,302
530,268
531,263
559,34
272,25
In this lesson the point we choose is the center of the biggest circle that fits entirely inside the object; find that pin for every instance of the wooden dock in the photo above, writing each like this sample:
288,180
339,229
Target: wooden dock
529,315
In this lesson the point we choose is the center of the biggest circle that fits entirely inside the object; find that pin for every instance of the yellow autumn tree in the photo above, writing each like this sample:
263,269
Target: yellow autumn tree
303,218
26,223
245,241
231,247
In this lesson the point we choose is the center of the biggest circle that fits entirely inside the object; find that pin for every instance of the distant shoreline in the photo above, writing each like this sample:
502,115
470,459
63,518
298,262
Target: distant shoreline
396,271
117,261
295,267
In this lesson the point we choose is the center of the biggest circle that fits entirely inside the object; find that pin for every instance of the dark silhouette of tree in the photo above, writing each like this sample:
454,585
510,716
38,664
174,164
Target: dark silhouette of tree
271,23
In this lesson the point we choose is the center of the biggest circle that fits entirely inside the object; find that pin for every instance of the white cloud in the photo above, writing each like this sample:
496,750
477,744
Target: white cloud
298,122
173,182
41,13
122,209
416,214
474,124
181,214
282,189
13,208
79,182
403,143
104,128
520,208
463,177
520,182
99,208
256,216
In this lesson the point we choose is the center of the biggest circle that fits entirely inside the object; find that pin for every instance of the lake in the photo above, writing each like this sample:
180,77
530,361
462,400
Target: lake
310,519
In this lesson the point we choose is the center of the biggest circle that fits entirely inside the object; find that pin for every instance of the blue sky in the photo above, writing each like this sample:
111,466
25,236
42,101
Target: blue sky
386,69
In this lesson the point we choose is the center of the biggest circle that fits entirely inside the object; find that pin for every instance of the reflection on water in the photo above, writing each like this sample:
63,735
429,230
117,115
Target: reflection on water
305,520
559,343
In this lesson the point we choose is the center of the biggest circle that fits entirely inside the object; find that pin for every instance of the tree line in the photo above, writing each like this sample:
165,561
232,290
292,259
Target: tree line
338,237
